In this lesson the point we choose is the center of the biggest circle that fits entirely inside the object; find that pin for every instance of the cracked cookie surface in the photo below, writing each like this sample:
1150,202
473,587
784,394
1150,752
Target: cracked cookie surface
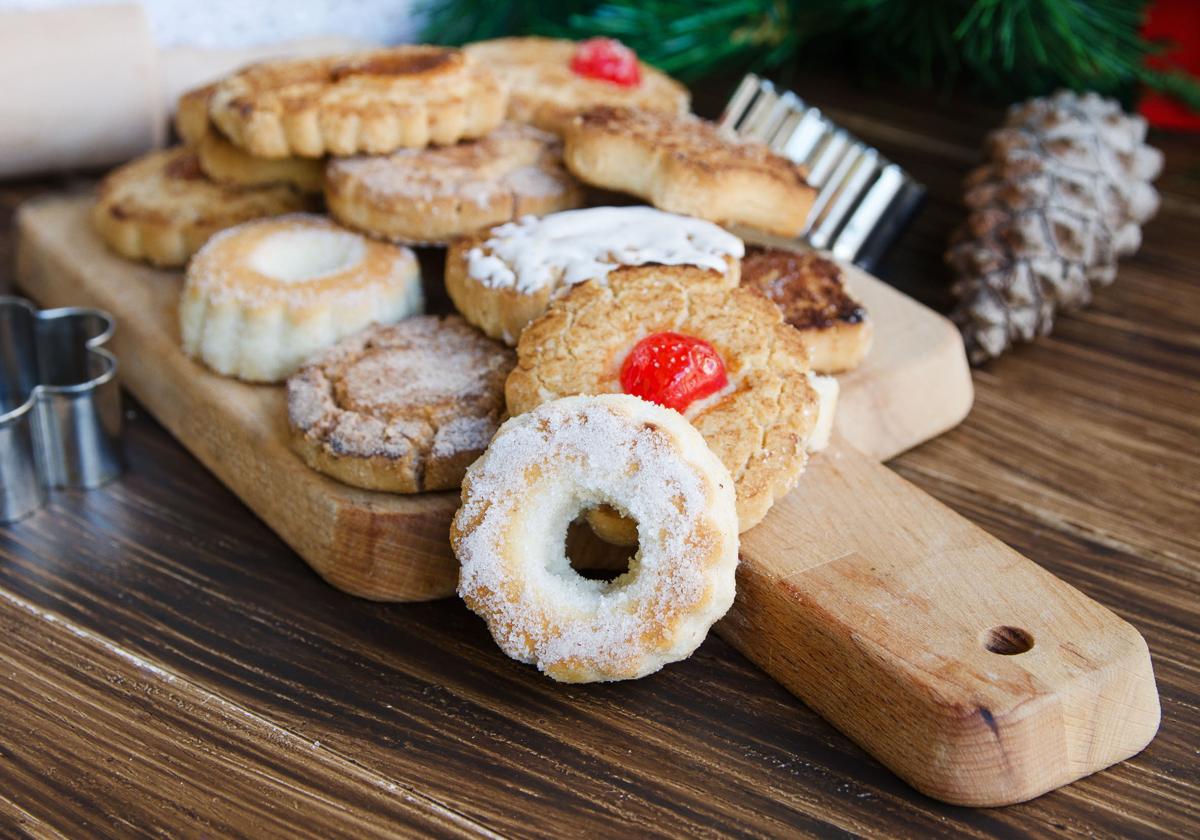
681,163
403,408
759,425
433,195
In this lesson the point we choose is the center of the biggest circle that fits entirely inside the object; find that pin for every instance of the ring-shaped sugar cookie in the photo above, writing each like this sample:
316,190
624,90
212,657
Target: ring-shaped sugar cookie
760,424
541,471
502,279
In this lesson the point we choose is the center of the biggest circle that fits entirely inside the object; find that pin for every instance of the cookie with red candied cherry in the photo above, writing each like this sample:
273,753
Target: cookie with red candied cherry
551,80
722,357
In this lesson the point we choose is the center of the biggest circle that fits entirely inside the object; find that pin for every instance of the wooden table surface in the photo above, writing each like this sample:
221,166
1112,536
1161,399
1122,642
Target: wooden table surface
167,664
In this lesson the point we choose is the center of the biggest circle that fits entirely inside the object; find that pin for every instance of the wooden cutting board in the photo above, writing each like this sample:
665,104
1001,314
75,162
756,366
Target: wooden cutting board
970,671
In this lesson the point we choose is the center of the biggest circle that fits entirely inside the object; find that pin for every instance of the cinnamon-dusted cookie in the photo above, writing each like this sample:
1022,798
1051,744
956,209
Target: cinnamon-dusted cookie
723,358
811,291
551,80
160,208
404,408
366,103
687,165
433,195
502,279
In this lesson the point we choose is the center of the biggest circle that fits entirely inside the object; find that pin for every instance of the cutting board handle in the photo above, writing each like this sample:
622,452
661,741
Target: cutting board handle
970,671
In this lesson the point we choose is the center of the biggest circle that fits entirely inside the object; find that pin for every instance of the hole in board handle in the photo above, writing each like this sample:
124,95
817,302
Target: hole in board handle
1007,641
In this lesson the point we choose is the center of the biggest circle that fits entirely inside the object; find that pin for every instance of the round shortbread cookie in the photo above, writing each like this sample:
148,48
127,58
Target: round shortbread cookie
759,424
433,195
502,279
688,165
262,297
544,91
366,103
160,208
403,408
541,471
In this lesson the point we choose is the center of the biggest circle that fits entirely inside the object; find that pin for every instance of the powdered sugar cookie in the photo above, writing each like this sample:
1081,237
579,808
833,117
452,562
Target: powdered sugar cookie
503,279
403,408
433,195
540,472
262,297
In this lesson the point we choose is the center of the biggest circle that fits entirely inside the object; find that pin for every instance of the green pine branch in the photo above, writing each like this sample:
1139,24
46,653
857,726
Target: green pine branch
1007,49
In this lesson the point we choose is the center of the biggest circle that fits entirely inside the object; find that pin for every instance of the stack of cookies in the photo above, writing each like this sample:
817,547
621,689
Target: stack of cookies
706,363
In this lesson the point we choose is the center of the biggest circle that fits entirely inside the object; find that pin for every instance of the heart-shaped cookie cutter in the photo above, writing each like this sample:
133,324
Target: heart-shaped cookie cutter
60,405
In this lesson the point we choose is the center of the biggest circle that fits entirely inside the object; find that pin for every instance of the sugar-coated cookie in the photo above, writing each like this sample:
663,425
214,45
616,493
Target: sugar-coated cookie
403,408
262,297
541,471
433,195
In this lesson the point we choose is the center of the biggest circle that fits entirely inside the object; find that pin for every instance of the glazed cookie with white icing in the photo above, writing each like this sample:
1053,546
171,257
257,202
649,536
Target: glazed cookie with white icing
262,297
403,408
721,357
424,196
541,471
502,279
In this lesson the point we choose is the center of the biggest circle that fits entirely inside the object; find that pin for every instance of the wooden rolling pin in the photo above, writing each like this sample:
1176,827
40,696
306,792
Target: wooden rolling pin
91,89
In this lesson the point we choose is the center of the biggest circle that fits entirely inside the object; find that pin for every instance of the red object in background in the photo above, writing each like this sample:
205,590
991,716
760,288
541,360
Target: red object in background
1178,22
673,370
607,59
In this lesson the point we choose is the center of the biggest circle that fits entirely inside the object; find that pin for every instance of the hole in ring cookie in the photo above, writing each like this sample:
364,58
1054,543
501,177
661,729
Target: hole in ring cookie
594,558
297,256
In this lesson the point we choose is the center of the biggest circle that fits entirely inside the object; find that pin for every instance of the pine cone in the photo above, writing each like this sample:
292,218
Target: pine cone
1064,194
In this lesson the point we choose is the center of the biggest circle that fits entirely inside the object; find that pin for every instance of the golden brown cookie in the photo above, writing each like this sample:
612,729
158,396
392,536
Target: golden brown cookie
544,91
225,163
404,408
811,291
684,164
366,103
160,208
433,195
759,424
502,279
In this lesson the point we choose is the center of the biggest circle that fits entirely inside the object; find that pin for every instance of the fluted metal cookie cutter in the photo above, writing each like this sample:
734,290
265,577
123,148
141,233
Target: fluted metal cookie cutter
863,202
60,405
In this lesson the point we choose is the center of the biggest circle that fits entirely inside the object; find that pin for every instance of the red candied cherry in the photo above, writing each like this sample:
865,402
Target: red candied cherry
607,59
673,370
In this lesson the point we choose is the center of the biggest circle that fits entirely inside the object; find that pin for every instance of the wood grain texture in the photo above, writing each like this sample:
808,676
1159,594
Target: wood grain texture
168,565
379,545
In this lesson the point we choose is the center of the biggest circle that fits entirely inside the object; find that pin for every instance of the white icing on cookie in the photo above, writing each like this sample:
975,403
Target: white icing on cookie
577,245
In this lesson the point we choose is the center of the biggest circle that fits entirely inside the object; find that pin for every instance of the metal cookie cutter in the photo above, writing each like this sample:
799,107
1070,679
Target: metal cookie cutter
60,405
864,201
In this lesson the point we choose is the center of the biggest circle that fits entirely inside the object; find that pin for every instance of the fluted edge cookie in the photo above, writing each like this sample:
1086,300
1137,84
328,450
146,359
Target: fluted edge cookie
547,93
367,103
161,209
684,164
760,425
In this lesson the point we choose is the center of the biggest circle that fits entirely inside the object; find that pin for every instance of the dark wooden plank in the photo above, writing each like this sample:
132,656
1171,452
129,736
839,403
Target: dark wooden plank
1081,453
